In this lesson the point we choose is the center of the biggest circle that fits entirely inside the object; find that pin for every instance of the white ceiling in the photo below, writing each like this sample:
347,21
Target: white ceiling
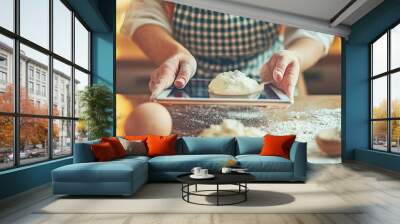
324,16
320,9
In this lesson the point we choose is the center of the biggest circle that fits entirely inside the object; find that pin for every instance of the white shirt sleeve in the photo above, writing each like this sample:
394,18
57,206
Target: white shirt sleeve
141,12
291,34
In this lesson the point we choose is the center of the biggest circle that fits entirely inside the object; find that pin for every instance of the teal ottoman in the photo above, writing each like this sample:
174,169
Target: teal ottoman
118,177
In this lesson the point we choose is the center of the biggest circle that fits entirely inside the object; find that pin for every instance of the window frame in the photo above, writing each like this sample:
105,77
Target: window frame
388,74
16,115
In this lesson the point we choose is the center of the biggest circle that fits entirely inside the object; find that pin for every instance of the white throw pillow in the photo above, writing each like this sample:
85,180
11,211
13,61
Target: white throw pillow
133,147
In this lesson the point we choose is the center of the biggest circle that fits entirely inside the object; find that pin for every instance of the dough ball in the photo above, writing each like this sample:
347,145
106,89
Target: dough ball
149,119
233,83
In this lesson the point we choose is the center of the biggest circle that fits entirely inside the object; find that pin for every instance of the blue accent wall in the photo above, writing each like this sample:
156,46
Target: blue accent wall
99,16
92,14
355,95
103,51
380,159
103,62
356,99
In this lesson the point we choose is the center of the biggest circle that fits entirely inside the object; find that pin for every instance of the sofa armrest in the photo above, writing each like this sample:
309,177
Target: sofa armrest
298,155
83,152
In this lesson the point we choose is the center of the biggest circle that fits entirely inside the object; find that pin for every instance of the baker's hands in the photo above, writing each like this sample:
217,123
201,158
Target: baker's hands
283,70
177,70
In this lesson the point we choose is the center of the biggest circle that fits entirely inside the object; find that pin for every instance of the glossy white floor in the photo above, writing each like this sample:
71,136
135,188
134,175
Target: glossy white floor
377,188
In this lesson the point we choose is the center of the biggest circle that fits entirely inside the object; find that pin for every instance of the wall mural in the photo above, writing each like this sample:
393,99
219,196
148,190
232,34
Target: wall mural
241,77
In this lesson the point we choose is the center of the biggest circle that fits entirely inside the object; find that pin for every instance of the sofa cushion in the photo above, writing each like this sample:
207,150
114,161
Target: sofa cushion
116,145
277,145
257,163
134,147
185,163
249,145
103,152
207,145
83,152
133,158
161,145
112,171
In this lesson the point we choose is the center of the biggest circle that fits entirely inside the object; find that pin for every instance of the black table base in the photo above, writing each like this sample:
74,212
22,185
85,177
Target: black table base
220,193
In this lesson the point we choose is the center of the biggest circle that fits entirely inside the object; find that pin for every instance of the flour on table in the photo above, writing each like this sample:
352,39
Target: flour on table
231,127
306,125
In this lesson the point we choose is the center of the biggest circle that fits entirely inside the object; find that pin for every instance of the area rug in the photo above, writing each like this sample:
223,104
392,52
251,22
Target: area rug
166,198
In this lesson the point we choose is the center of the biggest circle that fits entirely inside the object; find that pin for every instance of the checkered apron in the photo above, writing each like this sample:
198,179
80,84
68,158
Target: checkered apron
223,42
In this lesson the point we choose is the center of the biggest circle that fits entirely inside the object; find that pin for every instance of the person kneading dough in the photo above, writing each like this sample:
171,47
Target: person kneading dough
183,44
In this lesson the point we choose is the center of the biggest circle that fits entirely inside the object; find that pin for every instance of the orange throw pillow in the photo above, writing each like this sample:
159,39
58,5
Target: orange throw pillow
277,145
116,145
161,145
103,152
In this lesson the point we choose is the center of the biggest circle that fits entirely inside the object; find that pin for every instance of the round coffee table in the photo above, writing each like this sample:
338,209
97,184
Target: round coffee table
238,179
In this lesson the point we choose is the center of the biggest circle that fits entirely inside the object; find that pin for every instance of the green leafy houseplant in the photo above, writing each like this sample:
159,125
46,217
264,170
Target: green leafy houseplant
96,104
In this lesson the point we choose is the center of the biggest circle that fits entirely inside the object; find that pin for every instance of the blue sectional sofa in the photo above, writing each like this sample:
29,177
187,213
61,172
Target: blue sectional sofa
125,176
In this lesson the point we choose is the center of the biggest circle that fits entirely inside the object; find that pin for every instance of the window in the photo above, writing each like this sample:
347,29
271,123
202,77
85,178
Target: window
62,29
37,74
81,82
62,138
6,142
81,45
30,87
38,89
385,94
7,85
43,114
3,78
7,14
35,21
3,61
30,72
3,72
62,74
44,91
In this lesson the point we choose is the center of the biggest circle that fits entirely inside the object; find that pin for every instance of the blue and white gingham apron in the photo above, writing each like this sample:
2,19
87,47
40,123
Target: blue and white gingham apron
223,42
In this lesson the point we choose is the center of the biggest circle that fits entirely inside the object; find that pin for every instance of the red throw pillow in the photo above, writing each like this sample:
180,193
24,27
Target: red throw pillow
116,145
161,145
277,145
103,152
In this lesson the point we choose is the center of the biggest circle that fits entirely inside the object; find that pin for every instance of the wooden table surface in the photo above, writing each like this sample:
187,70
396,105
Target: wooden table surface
189,120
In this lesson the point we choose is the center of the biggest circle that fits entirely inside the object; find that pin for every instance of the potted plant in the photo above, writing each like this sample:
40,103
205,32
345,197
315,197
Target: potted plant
96,104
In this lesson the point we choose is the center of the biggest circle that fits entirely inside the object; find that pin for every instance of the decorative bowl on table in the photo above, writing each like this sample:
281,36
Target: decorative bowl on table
328,141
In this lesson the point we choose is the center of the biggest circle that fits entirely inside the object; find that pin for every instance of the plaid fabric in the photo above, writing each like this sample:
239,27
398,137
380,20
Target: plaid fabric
223,42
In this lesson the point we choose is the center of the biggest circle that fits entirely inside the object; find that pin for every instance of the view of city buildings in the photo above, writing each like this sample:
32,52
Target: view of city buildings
34,88
43,121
